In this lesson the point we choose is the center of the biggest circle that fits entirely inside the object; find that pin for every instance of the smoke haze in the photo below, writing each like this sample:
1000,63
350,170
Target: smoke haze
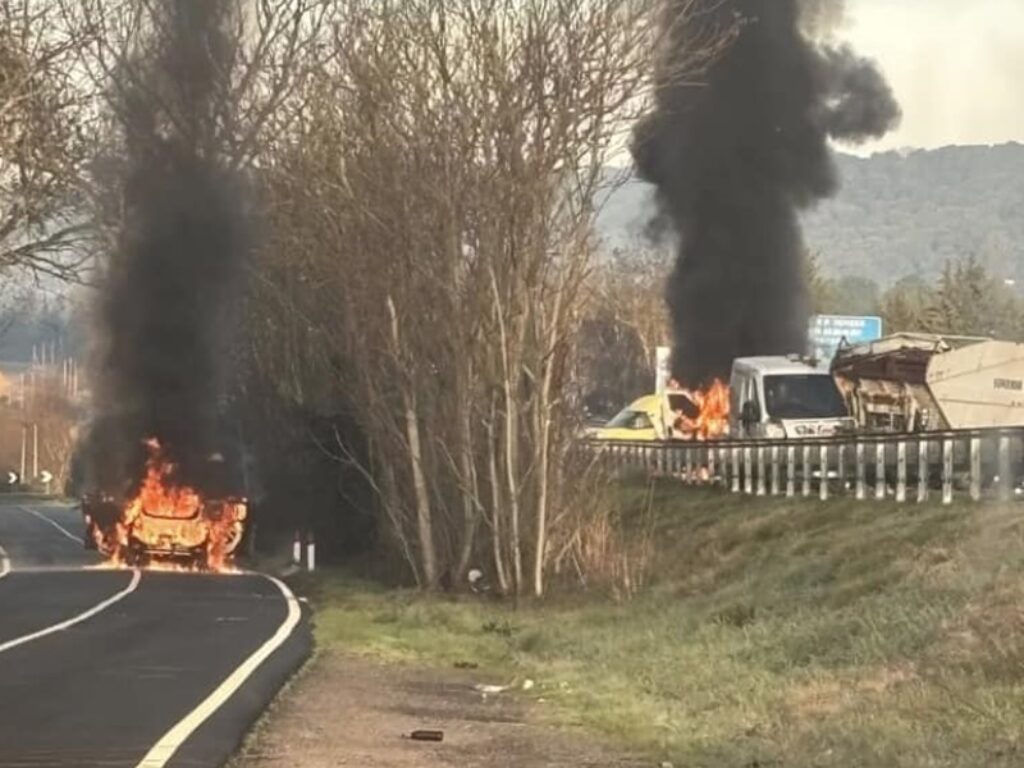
734,160
166,304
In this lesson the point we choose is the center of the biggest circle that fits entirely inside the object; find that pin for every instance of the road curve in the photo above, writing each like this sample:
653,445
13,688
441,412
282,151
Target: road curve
117,668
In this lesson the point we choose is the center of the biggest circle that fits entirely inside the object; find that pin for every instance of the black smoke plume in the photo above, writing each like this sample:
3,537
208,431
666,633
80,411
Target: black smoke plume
736,158
166,302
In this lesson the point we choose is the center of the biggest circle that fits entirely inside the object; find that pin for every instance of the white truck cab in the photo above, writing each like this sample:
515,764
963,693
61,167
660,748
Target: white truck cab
778,398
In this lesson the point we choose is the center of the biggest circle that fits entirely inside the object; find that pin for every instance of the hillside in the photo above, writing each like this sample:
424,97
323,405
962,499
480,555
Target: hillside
898,213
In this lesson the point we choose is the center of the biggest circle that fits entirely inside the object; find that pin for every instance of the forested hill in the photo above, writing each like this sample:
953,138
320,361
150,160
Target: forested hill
899,213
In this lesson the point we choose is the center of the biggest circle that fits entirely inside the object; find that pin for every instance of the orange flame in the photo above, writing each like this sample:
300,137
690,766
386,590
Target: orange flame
170,526
712,404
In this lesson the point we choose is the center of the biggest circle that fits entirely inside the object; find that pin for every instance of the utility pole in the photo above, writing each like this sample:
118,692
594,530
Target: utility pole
24,450
35,451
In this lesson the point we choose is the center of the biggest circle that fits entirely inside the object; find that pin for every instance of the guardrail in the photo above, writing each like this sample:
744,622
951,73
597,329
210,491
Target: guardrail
978,464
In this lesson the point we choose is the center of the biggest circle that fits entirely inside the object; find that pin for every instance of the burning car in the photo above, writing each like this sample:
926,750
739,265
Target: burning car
676,414
164,521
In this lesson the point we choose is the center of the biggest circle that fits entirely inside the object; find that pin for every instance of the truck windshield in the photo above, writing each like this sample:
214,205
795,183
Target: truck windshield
813,396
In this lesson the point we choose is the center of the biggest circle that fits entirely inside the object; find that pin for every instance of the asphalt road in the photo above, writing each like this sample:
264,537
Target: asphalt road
130,668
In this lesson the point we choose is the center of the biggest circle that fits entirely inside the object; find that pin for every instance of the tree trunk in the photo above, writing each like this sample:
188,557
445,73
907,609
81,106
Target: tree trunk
424,522
511,441
470,503
492,465
544,417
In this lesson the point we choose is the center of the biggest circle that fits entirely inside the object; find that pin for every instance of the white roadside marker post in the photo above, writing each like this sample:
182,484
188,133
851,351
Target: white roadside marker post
310,553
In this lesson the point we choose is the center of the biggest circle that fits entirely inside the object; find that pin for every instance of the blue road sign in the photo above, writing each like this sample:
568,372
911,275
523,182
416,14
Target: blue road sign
828,332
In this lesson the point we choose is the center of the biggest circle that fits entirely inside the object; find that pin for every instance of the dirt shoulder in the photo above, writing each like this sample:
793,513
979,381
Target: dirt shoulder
349,711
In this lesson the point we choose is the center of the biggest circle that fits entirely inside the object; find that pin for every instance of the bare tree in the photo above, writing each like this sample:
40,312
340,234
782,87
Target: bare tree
630,286
45,126
432,201
273,46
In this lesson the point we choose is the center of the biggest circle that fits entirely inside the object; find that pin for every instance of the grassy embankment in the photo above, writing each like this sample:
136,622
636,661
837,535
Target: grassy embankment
777,633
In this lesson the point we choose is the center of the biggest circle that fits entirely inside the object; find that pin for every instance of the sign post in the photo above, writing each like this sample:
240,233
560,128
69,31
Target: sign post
662,369
827,332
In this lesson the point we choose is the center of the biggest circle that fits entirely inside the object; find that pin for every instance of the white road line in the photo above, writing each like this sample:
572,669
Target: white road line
171,741
58,526
99,607
5,563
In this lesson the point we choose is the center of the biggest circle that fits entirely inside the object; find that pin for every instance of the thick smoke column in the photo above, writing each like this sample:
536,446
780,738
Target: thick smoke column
735,159
166,303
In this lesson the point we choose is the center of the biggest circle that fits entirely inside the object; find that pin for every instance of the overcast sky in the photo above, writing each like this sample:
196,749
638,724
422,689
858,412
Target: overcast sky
957,67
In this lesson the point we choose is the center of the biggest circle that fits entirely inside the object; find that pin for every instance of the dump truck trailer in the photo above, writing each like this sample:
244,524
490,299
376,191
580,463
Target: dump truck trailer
913,382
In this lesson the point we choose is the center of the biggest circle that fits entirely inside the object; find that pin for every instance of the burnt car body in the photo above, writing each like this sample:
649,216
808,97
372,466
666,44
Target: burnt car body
210,535
201,530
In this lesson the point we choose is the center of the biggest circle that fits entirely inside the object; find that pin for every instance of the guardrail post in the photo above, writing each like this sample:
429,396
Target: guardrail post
775,470
947,470
901,471
861,473
735,470
823,468
712,465
879,470
807,470
923,466
762,479
841,466
1005,470
790,471
748,471
975,468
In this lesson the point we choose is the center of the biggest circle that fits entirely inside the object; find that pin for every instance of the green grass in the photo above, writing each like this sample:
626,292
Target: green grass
775,633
